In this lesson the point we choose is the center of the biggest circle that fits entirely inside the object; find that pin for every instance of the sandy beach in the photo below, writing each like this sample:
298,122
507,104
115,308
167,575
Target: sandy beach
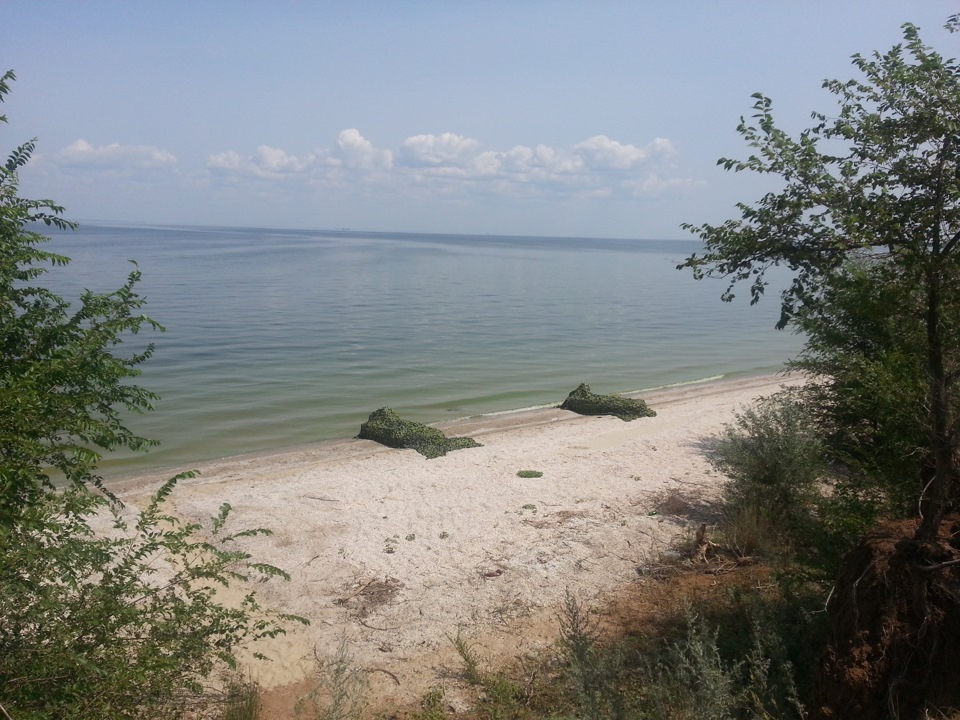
397,553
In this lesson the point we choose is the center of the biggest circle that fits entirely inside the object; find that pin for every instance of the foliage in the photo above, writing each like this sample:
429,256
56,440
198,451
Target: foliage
871,396
593,670
386,427
100,616
692,680
61,382
774,458
584,402
108,618
876,182
242,702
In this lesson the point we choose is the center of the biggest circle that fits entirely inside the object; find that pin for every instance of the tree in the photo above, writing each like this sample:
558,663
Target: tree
62,383
102,615
876,184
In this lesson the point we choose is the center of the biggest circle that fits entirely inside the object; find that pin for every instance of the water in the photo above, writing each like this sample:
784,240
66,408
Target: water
277,338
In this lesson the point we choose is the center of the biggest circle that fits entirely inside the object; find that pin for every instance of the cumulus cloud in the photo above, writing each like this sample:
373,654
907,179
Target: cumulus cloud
438,150
357,152
600,152
81,153
267,162
599,166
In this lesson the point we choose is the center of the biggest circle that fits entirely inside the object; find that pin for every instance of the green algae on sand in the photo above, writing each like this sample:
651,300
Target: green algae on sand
584,402
387,428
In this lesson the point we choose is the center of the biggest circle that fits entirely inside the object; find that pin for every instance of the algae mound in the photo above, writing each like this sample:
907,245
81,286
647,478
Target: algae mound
584,402
386,427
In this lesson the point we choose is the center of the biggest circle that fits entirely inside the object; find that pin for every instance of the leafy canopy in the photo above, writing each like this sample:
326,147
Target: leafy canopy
870,197
879,178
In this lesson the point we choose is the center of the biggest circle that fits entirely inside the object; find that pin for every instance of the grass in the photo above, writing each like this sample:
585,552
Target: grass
340,689
242,702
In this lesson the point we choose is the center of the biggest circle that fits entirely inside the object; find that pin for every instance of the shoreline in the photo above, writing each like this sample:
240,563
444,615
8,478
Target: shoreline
397,553
503,420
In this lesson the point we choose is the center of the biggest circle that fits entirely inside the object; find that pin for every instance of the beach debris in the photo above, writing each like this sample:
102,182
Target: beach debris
529,474
584,402
387,428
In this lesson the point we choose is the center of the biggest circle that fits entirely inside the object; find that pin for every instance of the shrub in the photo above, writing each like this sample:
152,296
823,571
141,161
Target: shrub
696,677
120,624
774,458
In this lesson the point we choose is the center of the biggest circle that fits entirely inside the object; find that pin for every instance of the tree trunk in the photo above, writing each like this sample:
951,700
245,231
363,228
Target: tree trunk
934,506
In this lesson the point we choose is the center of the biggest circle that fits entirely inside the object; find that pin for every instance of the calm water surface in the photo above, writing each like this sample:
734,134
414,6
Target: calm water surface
276,338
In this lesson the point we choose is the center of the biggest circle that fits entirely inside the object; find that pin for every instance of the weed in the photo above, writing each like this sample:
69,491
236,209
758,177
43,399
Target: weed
468,654
593,671
748,529
411,537
242,702
444,535
431,706
529,474
340,692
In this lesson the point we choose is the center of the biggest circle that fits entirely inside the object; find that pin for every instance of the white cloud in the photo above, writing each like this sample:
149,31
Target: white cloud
359,153
438,150
228,160
81,153
267,162
600,152
451,164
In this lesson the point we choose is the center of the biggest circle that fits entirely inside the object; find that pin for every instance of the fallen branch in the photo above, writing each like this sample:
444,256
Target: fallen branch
386,672
360,620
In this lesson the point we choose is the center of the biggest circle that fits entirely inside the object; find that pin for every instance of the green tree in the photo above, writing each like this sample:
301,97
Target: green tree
102,615
876,183
62,382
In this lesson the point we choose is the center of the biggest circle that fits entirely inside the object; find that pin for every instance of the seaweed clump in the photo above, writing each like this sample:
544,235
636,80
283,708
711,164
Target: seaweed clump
584,402
387,428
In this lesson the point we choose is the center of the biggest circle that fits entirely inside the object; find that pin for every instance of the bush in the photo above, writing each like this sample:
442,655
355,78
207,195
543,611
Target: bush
696,677
774,458
123,622
99,618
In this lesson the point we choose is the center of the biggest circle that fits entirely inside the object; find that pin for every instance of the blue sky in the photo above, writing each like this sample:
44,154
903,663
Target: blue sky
600,119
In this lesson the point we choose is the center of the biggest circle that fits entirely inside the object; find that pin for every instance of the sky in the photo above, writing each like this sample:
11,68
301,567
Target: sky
515,117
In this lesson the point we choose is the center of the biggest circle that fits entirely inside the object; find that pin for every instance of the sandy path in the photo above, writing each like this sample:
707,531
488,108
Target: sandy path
397,552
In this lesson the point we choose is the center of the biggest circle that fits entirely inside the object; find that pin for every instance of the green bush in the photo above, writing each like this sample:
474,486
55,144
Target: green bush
124,622
386,427
584,402
697,677
774,458
99,618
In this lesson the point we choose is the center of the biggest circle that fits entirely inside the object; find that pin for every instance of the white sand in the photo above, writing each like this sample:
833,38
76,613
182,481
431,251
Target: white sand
396,552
